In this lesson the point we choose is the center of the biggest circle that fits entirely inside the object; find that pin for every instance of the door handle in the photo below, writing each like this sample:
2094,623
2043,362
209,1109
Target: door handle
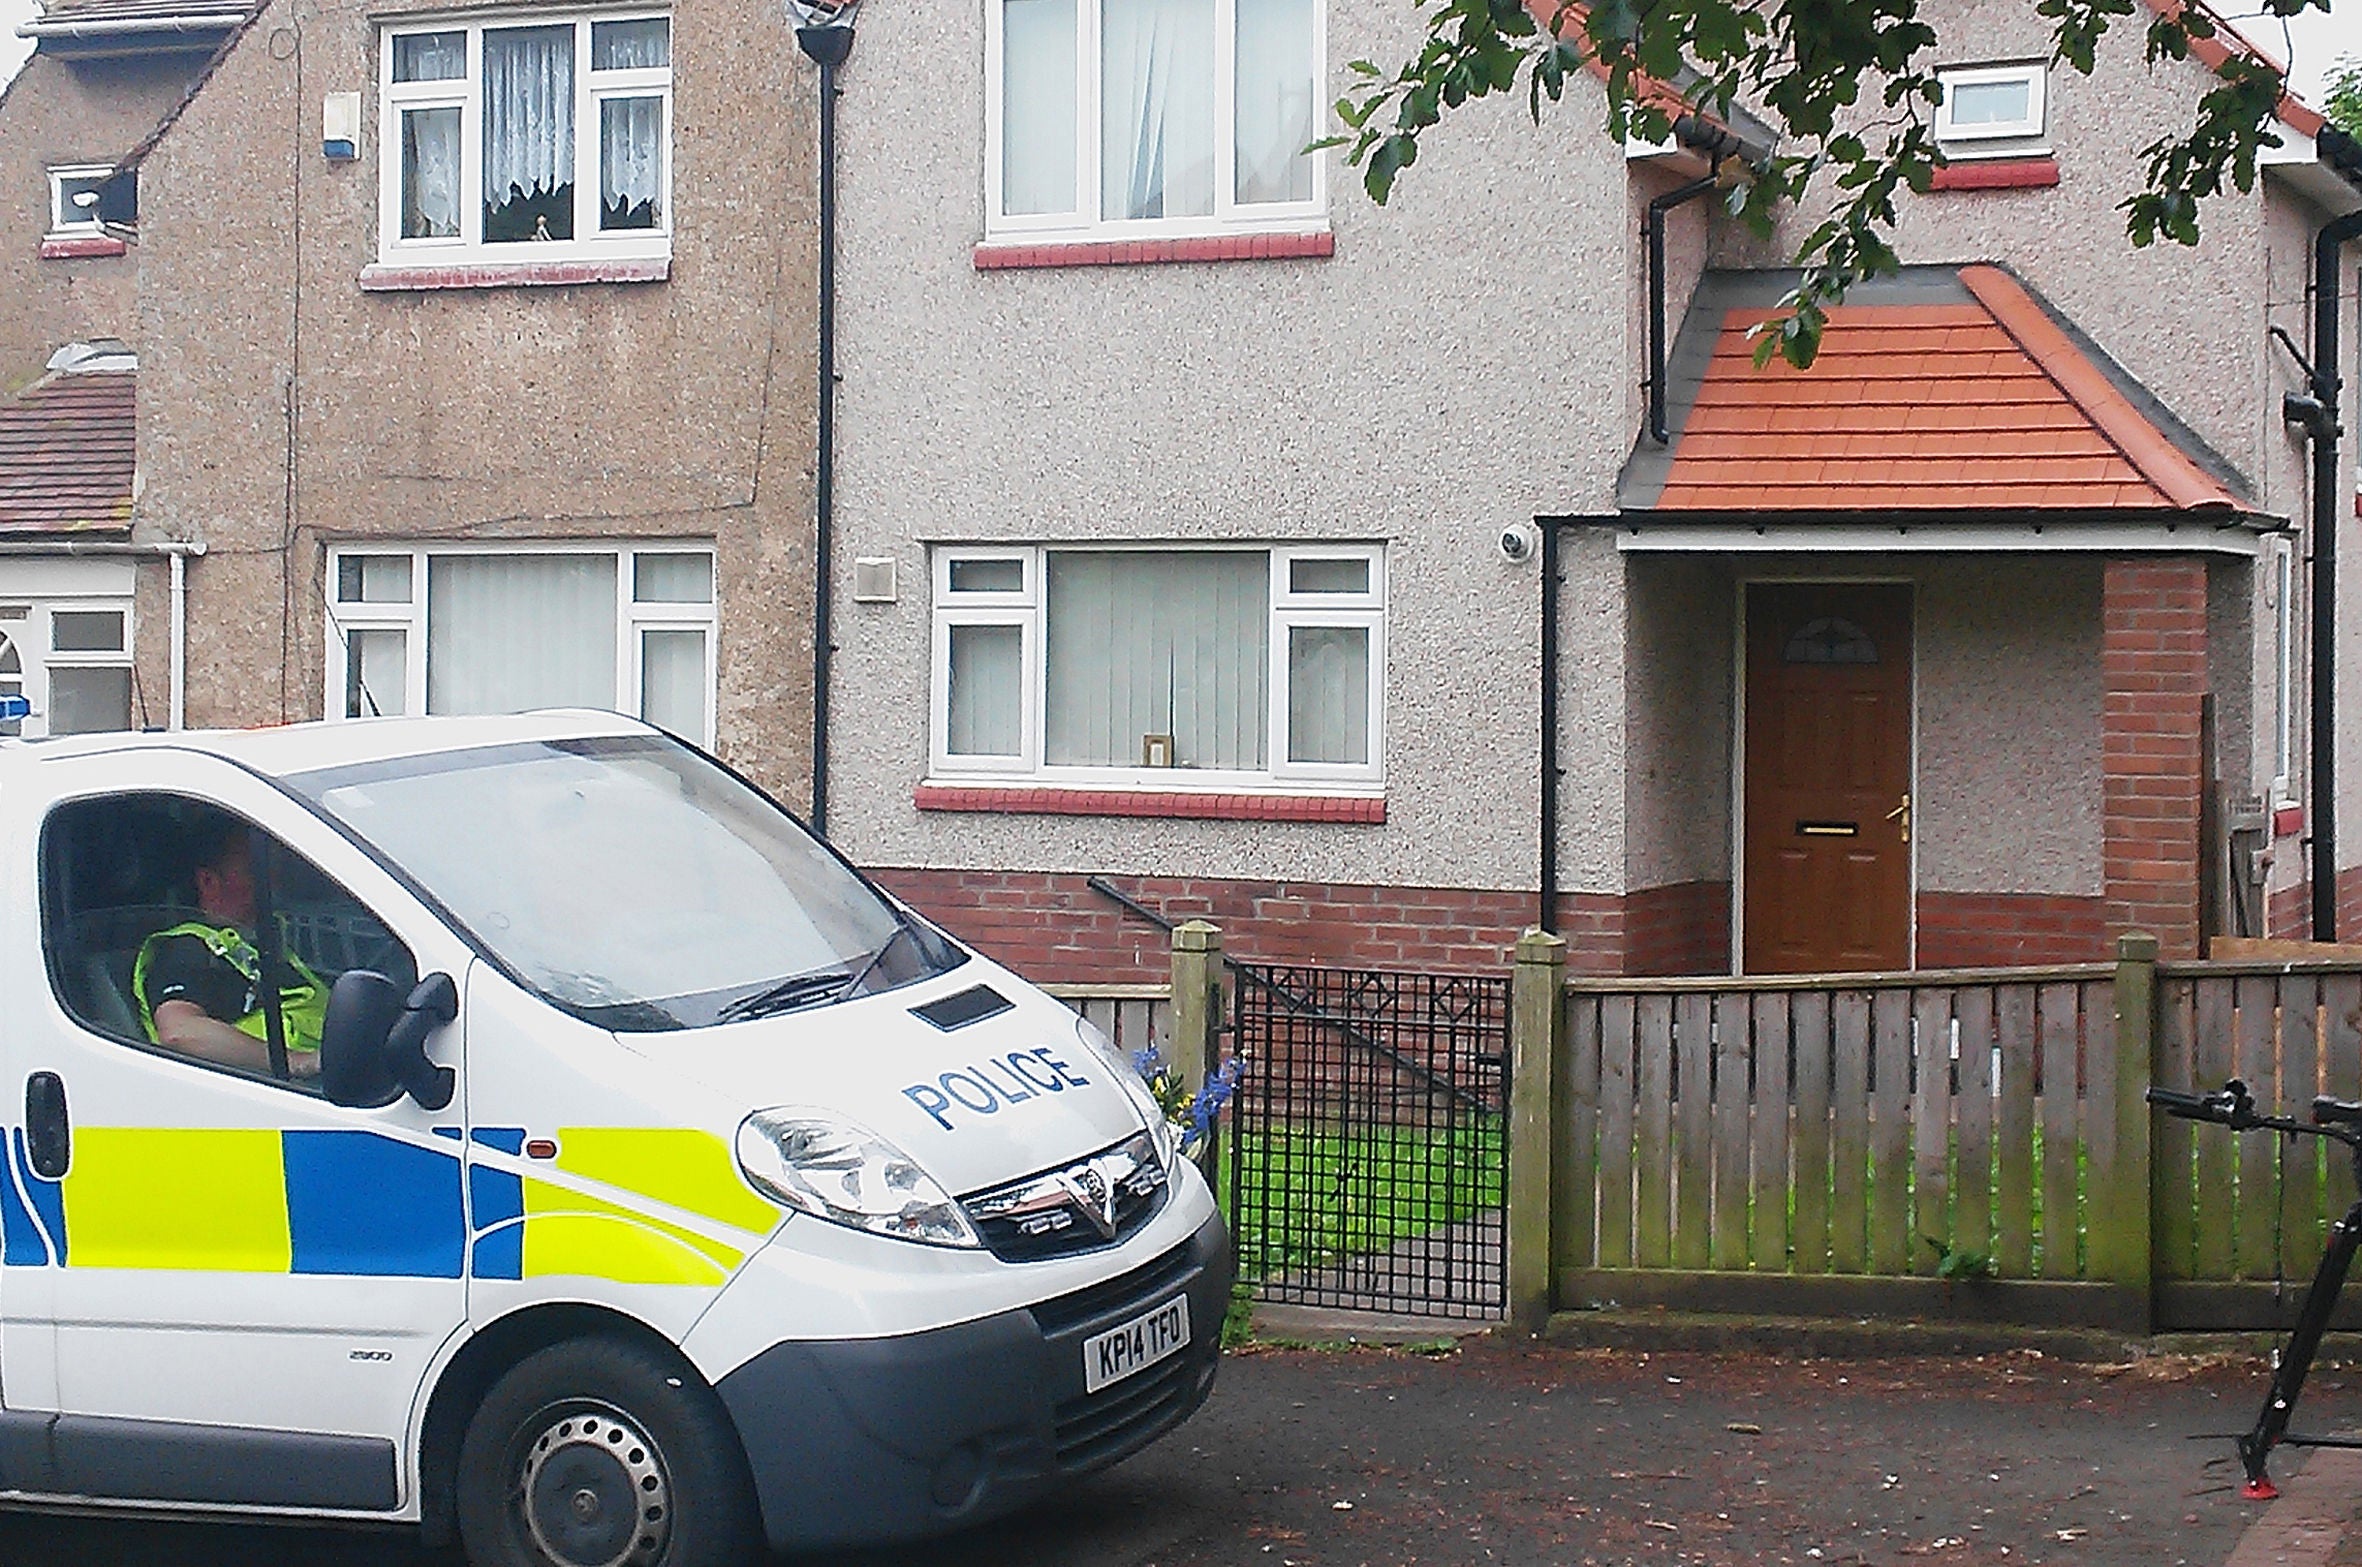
49,1135
1901,815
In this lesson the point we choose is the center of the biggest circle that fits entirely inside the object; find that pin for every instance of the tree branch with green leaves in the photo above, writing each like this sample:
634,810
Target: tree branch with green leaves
1805,66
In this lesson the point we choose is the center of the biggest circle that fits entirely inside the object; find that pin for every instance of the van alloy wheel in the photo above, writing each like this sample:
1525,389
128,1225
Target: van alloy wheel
594,1493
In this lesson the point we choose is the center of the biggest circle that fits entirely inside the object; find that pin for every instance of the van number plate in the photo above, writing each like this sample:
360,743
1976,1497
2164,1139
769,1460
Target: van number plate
1140,1343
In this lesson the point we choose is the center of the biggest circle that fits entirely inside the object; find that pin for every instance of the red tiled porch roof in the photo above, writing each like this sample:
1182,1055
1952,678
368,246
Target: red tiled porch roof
1986,403
67,455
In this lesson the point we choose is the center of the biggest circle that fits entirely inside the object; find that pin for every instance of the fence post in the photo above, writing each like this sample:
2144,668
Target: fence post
2128,1260
1537,1009
1197,1001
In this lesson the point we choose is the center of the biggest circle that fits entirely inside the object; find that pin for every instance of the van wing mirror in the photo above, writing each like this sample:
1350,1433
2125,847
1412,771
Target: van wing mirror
362,1011
373,1041
432,1004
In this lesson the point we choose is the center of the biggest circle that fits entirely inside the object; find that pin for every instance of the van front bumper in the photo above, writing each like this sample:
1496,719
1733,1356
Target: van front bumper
867,1441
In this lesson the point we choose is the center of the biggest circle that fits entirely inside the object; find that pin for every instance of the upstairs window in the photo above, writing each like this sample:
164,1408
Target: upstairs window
73,200
1153,117
508,141
1993,111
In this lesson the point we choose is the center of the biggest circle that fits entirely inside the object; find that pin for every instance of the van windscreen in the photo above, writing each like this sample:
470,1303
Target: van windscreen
628,879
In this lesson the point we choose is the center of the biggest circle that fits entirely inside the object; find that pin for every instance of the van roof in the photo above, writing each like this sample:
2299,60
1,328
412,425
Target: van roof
301,748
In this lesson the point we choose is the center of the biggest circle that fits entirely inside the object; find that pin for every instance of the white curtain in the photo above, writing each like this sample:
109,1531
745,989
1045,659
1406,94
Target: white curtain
631,163
430,57
987,691
1276,83
631,46
511,632
430,173
1329,694
1144,643
529,129
1038,95
1157,108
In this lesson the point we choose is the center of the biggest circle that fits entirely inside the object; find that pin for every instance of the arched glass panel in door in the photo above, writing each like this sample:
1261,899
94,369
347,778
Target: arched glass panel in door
1831,639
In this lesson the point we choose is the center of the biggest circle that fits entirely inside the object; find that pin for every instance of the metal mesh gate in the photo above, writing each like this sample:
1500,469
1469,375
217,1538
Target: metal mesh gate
1369,1158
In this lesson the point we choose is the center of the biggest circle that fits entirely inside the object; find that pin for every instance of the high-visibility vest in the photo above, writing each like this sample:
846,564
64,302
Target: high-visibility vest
303,1005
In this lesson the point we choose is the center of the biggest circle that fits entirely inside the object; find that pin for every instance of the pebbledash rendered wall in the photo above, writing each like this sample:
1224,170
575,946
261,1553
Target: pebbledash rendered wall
58,113
283,409
1467,357
1462,362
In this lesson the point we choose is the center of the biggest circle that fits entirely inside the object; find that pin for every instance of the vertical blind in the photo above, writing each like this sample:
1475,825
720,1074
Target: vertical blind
511,632
987,694
1329,694
1145,643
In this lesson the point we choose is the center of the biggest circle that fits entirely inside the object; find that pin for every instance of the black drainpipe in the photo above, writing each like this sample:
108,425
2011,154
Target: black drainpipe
1655,235
827,44
1548,918
2328,245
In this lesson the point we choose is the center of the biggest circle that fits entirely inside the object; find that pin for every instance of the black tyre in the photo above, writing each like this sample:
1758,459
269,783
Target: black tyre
604,1453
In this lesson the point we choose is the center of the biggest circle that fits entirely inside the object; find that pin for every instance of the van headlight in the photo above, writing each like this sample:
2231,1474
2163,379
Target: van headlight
846,1174
1161,1131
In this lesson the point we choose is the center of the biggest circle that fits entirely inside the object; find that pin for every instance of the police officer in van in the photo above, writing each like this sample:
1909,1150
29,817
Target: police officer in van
199,984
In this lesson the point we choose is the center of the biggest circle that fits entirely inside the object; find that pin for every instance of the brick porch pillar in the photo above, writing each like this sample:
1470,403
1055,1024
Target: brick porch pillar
2153,654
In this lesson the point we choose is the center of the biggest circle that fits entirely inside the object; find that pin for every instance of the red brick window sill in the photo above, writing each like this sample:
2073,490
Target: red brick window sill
1030,801
1999,174
387,278
1003,255
82,245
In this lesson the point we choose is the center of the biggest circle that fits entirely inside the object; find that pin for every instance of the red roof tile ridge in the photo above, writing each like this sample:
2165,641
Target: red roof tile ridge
2169,470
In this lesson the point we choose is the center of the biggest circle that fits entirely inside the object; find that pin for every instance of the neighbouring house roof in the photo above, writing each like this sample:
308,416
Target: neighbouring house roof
67,455
1944,389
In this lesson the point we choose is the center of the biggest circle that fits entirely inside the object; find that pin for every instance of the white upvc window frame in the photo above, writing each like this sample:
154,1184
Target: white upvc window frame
466,95
34,635
63,225
2012,138
1027,609
2280,559
633,617
1085,222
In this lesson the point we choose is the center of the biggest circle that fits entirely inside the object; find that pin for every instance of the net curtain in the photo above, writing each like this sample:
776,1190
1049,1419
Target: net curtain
529,133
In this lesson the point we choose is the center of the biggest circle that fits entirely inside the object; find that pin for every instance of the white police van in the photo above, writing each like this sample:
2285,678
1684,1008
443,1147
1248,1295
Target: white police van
657,1185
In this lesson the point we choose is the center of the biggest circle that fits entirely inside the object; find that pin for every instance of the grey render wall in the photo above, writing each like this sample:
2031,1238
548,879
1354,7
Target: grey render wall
58,113
1462,361
675,409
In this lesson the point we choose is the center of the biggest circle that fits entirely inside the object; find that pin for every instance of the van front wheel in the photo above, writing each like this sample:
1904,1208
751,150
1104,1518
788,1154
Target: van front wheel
602,1453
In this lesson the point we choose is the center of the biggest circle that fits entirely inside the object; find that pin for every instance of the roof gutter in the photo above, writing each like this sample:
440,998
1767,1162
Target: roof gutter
116,27
177,551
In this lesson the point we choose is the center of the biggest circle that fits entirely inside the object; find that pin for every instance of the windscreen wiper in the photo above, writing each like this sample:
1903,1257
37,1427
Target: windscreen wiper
869,964
803,990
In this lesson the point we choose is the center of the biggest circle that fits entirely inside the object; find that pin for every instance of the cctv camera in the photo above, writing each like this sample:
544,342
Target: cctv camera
1518,542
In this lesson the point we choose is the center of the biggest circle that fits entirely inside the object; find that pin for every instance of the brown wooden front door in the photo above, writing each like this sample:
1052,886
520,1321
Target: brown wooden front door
1828,774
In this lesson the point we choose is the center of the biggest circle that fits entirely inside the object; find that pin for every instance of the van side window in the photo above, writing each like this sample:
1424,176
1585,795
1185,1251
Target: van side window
154,909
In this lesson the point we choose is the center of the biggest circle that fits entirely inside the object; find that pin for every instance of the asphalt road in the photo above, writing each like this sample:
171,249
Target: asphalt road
1502,1455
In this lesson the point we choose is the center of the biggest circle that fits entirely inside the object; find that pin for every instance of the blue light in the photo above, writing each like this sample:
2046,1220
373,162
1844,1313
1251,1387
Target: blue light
15,707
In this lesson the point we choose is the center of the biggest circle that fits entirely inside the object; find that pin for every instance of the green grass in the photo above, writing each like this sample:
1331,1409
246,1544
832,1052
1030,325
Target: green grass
1320,1194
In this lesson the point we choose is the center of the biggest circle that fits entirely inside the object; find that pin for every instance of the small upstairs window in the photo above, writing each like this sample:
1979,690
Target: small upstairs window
526,141
74,200
1993,111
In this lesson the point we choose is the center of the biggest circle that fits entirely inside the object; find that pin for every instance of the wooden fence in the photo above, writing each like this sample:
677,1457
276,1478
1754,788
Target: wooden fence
1136,1017
1967,1144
